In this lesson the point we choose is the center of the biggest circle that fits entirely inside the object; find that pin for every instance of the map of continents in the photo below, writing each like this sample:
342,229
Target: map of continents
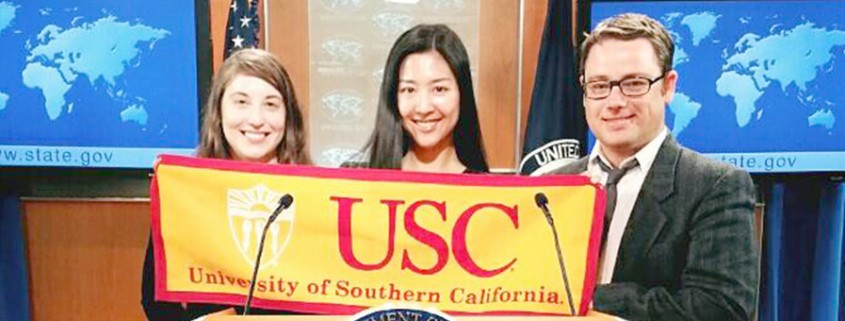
100,50
785,56
763,61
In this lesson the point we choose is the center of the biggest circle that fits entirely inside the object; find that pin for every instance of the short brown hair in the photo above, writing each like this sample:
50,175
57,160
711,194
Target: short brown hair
261,64
630,26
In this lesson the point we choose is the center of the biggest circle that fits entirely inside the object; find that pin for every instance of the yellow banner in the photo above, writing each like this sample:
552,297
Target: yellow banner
357,238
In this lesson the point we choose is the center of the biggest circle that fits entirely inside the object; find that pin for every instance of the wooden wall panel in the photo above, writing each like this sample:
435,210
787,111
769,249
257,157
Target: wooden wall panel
219,12
85,258
288,40
497,80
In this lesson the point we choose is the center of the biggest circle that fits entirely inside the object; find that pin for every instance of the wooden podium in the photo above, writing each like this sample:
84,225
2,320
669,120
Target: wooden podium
591,316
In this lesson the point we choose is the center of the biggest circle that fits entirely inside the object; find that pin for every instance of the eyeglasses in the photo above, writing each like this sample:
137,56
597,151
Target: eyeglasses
630,87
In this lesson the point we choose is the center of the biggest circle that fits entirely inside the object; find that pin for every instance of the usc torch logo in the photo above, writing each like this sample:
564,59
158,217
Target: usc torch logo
248,211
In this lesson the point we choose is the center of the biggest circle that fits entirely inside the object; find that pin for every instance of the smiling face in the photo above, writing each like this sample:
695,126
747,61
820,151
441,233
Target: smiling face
429,100
253,117
624,124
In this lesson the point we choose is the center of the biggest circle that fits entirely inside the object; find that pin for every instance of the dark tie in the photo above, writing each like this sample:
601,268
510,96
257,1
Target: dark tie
613,177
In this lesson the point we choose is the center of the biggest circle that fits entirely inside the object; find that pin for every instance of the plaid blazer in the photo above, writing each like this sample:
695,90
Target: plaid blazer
688,250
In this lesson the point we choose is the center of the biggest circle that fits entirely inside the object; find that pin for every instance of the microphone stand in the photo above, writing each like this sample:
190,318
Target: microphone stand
284,202
541,201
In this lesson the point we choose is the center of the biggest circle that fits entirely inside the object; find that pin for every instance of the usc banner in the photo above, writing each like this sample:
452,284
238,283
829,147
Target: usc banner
357,238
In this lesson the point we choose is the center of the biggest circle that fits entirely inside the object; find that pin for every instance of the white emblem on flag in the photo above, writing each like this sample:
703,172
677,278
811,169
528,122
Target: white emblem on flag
248,211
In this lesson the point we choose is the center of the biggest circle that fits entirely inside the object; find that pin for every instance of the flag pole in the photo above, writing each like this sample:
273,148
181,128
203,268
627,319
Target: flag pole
517,152
265,23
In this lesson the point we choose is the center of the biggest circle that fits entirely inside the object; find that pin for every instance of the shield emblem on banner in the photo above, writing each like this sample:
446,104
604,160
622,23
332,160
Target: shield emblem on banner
248,211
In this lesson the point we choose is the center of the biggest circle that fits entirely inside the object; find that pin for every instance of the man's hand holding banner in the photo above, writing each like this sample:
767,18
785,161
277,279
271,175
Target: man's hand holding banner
357,238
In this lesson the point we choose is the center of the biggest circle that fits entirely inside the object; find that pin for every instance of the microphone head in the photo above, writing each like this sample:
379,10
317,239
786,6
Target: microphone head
286,201
541,199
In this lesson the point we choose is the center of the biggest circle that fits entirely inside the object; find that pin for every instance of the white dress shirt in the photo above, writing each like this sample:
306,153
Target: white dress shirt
626,196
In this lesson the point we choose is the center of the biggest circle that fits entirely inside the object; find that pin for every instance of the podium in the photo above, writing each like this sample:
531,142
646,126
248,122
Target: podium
591,316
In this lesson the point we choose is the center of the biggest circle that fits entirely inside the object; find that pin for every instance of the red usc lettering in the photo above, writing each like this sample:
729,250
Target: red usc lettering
459,239
344,231
429,238
426,237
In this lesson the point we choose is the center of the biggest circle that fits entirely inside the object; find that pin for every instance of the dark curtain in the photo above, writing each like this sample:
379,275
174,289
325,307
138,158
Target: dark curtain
14,289
803,250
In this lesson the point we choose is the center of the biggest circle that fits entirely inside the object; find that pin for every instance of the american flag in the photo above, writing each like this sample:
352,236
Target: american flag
242,28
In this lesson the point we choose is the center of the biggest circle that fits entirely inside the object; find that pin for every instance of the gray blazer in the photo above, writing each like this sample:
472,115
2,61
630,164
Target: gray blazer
688,251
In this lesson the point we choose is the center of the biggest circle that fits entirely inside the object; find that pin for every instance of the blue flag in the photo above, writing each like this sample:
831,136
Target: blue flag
556,128
242,27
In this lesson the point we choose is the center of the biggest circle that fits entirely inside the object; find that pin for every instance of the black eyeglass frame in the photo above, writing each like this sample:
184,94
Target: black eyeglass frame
618,83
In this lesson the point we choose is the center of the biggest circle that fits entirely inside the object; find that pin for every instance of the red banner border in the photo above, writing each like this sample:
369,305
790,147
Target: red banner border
381,175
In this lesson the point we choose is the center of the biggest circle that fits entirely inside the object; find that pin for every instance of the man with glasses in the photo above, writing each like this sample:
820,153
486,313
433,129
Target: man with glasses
678,241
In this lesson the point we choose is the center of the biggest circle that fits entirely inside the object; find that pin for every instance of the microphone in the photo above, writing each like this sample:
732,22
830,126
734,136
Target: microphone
541,200
284,202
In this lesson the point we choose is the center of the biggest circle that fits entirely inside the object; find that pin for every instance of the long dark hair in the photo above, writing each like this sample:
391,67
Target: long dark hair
263,65
389,141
